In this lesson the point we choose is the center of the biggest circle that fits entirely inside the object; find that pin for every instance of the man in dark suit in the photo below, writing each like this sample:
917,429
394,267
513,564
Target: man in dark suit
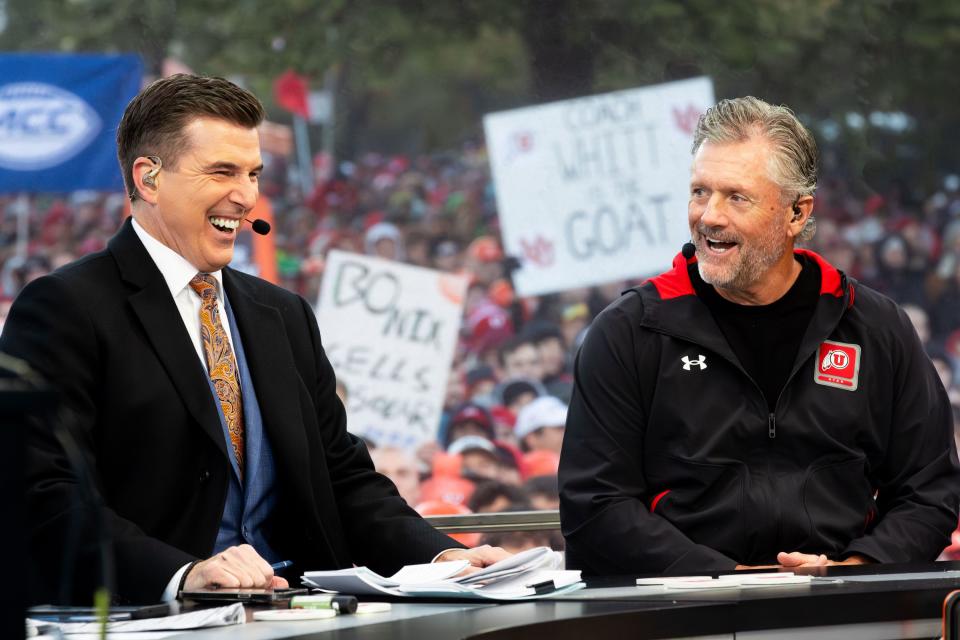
201,397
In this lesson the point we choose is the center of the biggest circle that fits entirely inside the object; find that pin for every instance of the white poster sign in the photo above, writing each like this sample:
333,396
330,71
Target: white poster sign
389,330
595,189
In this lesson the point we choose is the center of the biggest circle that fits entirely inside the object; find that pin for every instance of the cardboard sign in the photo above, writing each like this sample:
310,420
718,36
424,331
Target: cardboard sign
595,189
389,330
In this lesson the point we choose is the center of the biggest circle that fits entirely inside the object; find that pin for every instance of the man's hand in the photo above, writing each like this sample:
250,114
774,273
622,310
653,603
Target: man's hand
479,557
797,559
239,567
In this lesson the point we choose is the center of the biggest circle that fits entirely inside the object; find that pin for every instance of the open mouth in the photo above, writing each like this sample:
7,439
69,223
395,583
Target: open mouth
718,246
226,225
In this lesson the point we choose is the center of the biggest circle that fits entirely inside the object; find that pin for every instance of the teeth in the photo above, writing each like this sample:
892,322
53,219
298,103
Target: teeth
226,223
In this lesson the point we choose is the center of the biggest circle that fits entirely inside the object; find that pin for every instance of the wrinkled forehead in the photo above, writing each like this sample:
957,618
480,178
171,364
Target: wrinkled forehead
208,141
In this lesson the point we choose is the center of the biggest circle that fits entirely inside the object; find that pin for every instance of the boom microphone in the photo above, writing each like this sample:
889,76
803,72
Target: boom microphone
260,226
689,250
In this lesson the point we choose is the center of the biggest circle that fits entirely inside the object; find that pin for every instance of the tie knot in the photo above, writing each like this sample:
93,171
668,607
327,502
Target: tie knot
204,285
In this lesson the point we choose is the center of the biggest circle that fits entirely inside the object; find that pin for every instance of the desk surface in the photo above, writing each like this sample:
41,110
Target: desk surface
876,600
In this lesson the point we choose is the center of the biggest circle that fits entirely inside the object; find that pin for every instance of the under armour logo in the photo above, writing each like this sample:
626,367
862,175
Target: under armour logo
701,362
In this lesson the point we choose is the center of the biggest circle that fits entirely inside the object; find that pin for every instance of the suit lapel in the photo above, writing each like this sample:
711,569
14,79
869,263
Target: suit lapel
273,372
157,312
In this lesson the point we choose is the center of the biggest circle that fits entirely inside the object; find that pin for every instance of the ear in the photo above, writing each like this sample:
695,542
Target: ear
799,214
146,179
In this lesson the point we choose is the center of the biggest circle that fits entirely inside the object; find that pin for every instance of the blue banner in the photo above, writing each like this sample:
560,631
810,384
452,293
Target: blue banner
58,120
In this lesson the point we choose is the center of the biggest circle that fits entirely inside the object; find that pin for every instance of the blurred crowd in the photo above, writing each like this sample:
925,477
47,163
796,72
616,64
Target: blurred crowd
498,444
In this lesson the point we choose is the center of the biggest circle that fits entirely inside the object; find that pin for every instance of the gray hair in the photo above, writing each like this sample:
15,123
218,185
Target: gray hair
794,161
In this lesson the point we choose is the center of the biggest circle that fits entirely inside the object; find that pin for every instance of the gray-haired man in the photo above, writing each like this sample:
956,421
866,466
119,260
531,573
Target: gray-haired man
754,405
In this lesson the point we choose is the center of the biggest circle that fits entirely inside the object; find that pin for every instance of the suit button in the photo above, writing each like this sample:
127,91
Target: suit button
204,475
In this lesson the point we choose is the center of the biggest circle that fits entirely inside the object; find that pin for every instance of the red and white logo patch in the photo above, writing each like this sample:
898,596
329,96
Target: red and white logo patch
838,365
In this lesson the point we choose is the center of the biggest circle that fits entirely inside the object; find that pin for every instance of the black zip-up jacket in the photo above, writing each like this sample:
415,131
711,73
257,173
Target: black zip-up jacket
673,463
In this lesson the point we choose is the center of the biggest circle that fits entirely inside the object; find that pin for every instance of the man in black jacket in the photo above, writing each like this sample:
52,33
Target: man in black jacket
201,397
753,405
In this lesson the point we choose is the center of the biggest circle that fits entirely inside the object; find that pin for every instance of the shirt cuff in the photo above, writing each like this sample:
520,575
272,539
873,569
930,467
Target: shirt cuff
437,557
173,587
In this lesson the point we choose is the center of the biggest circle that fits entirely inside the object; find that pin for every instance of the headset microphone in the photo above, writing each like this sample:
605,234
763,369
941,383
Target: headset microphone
689,250
260,226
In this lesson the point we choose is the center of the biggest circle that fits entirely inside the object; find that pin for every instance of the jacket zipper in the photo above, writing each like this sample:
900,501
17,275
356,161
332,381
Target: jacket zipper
772,426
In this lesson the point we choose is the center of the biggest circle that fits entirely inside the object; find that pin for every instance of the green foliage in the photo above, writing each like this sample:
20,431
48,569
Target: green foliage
418,74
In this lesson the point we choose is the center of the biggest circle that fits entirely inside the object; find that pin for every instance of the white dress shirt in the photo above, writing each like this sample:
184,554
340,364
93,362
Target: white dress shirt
178,273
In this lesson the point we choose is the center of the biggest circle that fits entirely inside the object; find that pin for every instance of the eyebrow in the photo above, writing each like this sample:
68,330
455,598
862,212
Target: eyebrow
230,167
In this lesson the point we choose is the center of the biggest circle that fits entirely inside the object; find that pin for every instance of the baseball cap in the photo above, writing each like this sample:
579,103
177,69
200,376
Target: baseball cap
546,411
472,443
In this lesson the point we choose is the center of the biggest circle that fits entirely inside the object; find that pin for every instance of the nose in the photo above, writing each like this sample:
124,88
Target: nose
713,214
245,194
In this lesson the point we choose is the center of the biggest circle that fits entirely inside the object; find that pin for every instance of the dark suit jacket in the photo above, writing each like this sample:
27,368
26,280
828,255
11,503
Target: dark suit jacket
106,332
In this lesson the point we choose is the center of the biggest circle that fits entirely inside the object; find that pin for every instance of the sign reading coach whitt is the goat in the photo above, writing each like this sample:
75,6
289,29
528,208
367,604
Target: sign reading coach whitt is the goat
389,330
594,189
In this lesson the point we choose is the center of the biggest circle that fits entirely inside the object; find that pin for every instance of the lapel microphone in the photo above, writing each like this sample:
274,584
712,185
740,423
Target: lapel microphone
259,226
688,251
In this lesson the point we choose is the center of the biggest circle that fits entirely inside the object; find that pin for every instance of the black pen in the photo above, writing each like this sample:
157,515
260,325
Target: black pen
156,611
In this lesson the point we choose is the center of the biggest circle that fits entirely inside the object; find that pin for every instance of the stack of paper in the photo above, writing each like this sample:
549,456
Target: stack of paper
199,619
530,574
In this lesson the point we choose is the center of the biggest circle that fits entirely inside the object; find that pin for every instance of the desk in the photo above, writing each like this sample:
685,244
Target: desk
872,602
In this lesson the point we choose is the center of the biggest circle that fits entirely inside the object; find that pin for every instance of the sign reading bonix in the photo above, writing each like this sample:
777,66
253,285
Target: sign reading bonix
389,330
594,189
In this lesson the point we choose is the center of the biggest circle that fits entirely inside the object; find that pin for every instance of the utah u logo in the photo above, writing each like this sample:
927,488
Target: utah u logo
701,362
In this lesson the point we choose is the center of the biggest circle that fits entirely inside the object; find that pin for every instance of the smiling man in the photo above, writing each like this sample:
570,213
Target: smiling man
201,397
754,406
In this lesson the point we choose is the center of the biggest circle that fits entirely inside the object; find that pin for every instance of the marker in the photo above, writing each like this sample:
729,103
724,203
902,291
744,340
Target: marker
283,564
341,604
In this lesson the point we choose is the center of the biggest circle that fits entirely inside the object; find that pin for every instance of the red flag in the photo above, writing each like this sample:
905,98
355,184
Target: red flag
290,92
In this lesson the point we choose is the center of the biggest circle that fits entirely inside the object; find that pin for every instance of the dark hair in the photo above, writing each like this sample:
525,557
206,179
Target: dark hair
542,330
542,485
488,491
154,121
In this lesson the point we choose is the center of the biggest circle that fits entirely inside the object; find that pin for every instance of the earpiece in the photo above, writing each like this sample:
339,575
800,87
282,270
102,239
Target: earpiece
149,178
797,214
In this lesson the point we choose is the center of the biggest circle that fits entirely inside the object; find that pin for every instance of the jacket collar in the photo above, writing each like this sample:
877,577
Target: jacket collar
676,282
671,307
151,302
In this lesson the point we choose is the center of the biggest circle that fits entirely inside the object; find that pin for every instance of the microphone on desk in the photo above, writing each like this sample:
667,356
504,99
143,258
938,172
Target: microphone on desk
688,250
259,226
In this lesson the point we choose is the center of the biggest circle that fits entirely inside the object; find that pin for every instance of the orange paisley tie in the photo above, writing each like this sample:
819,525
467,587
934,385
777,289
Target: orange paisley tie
220,361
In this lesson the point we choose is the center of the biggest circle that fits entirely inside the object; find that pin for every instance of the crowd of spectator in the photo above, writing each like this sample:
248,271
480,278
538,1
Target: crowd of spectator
498,444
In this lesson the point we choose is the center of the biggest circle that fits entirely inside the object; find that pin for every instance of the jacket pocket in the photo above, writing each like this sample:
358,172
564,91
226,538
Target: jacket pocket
703,500
837,500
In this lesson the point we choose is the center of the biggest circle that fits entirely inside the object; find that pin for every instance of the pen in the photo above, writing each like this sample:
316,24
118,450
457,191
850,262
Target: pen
283,564
155,611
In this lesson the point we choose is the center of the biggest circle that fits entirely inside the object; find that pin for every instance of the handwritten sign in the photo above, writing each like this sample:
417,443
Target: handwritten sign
594,189
389,330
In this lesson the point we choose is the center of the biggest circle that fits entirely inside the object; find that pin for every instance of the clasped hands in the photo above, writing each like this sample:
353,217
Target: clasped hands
241,567
795,559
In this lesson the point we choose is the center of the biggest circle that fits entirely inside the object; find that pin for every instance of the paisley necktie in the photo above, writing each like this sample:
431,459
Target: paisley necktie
221,364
